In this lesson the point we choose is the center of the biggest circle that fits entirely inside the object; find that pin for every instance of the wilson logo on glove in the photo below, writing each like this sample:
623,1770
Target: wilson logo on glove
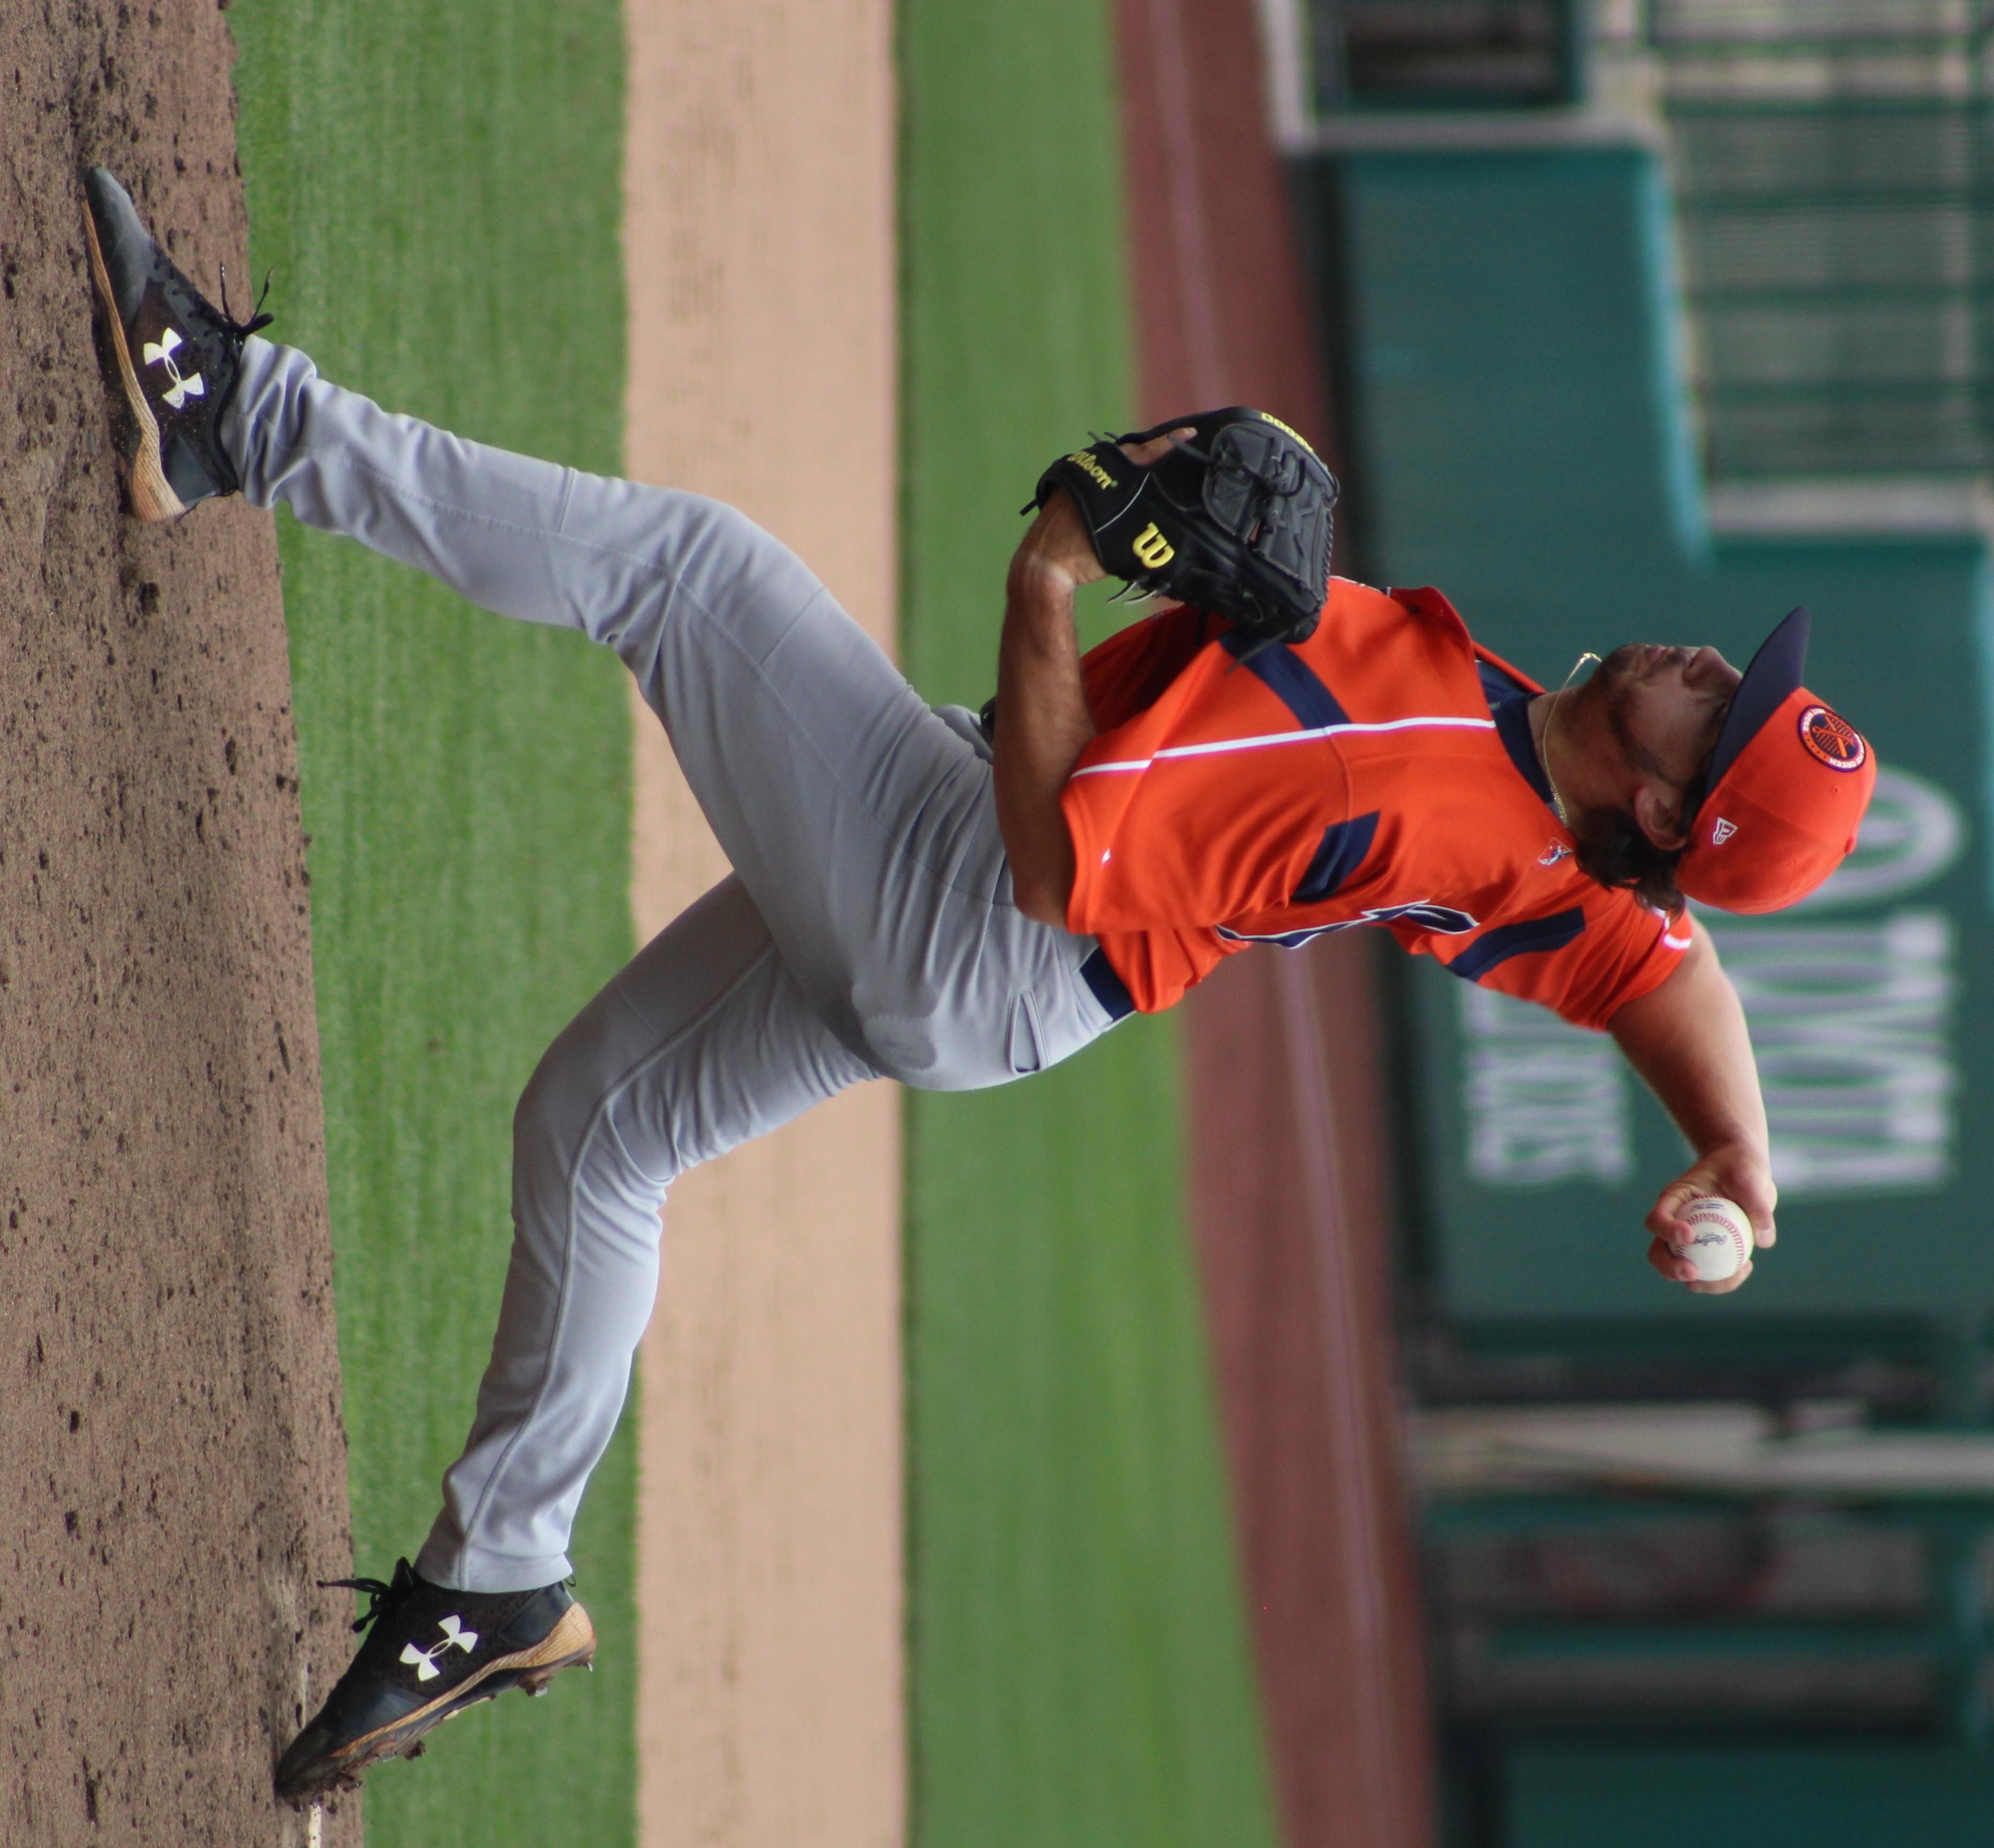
1083,460
1237,519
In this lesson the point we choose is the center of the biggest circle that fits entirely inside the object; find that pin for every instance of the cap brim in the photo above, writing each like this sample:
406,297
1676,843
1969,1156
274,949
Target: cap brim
1775,672
1786,815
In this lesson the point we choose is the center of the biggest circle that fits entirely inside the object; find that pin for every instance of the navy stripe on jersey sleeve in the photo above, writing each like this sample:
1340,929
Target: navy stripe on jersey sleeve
1290,679
1344,844
1534,935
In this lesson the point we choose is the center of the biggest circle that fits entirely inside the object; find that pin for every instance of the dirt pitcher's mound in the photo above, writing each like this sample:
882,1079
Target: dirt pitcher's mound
172,1472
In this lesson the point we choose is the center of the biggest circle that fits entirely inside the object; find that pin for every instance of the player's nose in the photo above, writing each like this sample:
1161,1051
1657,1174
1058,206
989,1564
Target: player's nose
1707,671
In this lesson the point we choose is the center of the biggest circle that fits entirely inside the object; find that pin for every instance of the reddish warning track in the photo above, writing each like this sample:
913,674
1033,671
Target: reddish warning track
1288,1177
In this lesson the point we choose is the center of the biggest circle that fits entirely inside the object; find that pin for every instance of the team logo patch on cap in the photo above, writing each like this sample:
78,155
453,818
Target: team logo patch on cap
1832,739
1721,831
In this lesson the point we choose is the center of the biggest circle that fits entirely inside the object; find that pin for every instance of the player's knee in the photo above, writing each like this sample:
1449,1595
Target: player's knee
731,563
554,1111
534,1134
575,1120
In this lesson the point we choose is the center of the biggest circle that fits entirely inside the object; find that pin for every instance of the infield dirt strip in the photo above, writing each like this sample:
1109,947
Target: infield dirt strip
172,1477
759,250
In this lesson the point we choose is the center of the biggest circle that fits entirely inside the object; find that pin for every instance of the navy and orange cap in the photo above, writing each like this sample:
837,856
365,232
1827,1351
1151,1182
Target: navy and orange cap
1787,786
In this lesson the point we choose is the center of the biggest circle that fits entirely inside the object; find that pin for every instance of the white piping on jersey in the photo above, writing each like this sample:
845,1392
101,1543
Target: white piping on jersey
1268,737
1670,941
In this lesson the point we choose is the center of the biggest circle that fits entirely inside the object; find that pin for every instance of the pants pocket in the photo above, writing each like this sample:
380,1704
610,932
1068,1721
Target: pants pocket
1027,1052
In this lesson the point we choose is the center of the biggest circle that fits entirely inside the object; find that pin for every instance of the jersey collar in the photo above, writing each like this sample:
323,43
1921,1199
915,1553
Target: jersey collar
1509,706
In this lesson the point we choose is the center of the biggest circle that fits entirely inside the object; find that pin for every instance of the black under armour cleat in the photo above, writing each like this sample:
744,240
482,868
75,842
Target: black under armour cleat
178,358
432,1653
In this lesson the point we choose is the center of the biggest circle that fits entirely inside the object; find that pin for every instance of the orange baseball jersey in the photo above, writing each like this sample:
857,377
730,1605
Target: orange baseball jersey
1381,772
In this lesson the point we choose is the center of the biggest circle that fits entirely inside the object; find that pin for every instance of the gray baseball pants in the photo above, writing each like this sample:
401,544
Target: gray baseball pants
868,929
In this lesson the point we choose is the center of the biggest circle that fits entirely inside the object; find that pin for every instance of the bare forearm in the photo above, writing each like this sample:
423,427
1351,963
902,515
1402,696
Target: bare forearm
1042,726
1043,720
1687,1039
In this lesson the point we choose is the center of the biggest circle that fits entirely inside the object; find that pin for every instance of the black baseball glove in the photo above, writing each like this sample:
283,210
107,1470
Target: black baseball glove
1236,519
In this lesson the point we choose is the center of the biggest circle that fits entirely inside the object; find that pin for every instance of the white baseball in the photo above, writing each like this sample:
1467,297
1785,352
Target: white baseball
1720,1243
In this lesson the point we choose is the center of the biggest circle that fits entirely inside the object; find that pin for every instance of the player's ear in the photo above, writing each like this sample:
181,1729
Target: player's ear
1658,814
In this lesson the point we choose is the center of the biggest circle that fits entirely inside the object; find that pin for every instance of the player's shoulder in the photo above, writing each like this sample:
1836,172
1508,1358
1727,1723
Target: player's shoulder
1409,637
1429,606
1423,609
1350,597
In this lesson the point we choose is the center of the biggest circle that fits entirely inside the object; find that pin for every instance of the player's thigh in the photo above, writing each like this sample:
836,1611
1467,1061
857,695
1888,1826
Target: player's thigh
702,1041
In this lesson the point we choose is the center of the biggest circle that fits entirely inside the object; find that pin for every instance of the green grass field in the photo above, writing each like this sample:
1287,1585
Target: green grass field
437,188
1080,1669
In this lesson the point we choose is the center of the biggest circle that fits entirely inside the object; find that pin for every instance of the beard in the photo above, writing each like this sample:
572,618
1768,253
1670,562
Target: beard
1617,674
1613,850
1612,683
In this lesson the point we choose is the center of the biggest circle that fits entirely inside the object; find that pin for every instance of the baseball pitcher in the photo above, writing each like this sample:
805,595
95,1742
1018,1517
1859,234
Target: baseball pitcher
955,902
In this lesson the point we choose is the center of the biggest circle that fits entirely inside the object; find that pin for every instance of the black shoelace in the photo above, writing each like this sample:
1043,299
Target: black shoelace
259,321
382,1597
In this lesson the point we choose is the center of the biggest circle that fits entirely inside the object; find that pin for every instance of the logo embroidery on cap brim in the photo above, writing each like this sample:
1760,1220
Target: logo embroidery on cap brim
1721,831
1831,739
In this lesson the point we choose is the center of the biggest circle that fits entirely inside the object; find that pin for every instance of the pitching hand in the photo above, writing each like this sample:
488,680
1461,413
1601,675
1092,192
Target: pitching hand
1740,1173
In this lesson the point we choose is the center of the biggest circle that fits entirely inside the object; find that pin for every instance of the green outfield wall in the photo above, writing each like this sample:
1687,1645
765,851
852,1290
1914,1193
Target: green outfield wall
465,778
1079,1667
1527,442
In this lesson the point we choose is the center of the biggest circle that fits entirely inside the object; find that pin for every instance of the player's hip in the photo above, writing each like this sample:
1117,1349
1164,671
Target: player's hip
934,976
1028,997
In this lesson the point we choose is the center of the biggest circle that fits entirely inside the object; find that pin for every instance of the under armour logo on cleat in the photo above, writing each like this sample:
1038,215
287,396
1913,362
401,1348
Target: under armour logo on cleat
424,1660
160,352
